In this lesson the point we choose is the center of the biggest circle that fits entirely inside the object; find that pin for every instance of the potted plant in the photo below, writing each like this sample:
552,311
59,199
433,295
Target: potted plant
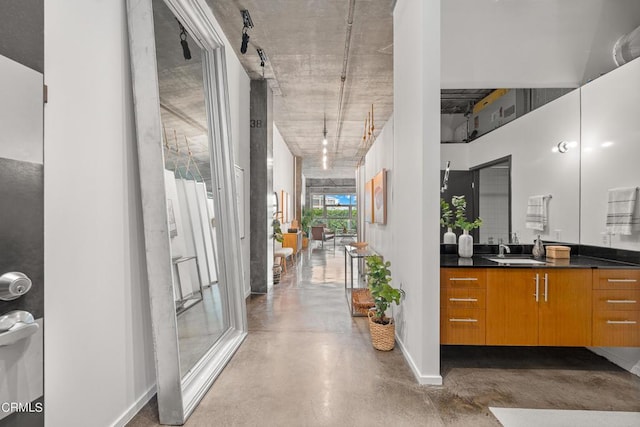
381,327
465,242
305,222
446,220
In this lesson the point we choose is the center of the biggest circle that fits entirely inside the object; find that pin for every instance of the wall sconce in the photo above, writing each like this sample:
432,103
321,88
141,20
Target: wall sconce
564,146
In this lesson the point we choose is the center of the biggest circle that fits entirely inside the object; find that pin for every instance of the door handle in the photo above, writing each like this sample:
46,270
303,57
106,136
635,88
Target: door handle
537,294
546,287
13,285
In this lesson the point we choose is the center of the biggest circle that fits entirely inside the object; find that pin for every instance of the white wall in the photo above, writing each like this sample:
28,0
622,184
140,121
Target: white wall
535,169
380,155
415,207
98,339
283,171
458,154
21,120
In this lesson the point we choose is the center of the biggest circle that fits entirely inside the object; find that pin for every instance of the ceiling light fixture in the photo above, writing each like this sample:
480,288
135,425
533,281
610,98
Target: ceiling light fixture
186,52
324,131
324,150
247,23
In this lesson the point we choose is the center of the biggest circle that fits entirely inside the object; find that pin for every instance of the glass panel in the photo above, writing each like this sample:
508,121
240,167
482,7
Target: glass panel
199,297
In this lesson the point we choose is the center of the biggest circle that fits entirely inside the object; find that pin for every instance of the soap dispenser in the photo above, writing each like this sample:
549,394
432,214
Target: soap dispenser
538,248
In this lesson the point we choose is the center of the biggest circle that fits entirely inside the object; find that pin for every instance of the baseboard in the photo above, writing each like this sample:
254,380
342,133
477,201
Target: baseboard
135,408
629,365
422,379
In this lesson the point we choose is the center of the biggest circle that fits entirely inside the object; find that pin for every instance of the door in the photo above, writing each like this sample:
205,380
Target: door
21,220
512,309
565,307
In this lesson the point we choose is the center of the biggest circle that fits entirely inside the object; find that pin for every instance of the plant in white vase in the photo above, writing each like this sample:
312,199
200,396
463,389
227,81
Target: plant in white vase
446,220
465,242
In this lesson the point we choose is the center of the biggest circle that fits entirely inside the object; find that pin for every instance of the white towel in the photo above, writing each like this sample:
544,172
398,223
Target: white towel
536,213
622,211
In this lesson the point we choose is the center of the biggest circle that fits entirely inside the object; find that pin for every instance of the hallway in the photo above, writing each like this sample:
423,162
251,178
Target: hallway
306,362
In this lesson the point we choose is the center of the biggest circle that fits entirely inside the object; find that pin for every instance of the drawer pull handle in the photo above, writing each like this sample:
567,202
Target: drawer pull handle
464,320
621,301
621,280
463,299
453,279
621,322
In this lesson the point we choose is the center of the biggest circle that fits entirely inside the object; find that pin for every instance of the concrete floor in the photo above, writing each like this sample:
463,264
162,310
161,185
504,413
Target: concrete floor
306,362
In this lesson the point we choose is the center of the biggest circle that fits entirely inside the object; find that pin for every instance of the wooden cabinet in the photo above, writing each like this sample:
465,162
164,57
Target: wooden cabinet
462,306
293,241
565,308
547,307
616,308
512,309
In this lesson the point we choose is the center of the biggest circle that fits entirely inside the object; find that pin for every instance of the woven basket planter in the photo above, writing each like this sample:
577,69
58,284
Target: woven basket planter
382,336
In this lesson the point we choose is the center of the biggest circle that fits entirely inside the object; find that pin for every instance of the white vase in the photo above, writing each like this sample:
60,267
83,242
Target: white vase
450,237
465,245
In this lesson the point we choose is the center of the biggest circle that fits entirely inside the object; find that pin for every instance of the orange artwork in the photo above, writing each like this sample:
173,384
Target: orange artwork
368,201
380,197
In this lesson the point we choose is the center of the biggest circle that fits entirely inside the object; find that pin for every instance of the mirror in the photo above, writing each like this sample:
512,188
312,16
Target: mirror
188,189
535,168
574,149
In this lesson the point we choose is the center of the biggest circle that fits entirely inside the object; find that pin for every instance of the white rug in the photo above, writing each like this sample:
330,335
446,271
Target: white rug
518,417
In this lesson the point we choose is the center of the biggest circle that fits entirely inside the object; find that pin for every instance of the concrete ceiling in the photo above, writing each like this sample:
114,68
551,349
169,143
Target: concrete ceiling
304,41
485,44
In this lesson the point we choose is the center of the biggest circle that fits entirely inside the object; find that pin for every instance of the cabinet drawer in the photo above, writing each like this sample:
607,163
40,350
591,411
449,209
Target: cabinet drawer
616,300
616,329
462,326
463,278
463,298
616,279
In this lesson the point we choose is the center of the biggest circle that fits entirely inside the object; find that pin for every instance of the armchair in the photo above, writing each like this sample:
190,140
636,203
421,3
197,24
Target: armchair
322,233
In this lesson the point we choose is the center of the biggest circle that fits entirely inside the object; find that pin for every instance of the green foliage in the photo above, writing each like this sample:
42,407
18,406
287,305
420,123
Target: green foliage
460,204
446,218
378,278
277,231
307,217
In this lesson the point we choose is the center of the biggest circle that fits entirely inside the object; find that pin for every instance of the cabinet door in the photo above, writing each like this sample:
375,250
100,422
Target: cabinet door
512,309
565,307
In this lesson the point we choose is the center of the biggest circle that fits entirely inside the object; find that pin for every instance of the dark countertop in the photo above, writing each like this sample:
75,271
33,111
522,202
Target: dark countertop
576,261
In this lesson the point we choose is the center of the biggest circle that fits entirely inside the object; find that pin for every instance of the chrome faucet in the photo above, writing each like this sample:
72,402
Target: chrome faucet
501,250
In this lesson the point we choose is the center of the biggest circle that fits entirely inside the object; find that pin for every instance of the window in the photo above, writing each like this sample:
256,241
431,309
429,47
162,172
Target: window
338,211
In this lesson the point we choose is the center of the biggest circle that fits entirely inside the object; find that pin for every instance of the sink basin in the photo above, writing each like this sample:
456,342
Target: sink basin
514,261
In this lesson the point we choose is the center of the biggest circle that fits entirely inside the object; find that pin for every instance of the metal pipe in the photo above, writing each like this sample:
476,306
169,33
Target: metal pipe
343,75
627,48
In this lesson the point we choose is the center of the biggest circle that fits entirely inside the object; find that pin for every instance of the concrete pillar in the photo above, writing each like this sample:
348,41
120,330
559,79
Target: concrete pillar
261,198
297,185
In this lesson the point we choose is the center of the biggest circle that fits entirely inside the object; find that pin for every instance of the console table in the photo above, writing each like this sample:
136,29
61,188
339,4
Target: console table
293,241
351,253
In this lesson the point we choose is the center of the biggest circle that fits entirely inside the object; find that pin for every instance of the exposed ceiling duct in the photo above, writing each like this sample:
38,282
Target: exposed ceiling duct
627,48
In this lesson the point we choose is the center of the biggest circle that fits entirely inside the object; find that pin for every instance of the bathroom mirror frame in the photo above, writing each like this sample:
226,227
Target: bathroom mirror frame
178,396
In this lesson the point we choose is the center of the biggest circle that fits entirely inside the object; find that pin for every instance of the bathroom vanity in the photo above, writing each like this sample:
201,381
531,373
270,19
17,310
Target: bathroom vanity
581,302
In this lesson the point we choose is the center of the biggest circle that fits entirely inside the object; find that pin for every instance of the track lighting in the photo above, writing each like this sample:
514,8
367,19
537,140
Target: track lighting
263,57
186,52
247,23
